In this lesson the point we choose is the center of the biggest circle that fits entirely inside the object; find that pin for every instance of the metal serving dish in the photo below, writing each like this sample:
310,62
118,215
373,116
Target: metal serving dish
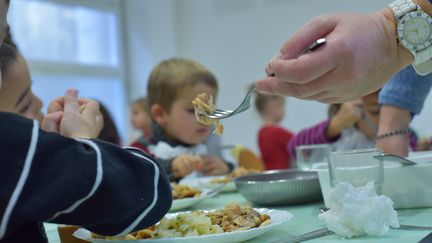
280,187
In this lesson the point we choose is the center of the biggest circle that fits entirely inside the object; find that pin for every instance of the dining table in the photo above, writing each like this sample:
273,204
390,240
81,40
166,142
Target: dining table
305,219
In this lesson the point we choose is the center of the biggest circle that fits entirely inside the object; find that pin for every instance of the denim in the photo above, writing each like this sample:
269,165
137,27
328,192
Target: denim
406,90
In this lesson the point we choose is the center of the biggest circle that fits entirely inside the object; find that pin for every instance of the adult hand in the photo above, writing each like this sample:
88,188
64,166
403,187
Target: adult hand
73,117
360,55
213,166
185,164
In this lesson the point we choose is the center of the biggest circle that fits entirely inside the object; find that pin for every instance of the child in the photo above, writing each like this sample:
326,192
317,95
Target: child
16,95
352,125
272,138
177,138
140,119
38,167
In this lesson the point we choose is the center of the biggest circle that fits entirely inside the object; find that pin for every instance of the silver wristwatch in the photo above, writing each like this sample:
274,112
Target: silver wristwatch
414,32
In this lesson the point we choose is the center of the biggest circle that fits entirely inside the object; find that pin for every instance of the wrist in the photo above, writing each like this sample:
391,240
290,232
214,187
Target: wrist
334,128
387,22
393,118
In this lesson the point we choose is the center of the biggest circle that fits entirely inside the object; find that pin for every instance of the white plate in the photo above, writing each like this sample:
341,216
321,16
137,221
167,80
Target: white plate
277,217
204,183
179,204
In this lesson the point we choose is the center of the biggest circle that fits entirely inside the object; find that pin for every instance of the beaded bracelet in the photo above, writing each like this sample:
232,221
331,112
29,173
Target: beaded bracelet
392,133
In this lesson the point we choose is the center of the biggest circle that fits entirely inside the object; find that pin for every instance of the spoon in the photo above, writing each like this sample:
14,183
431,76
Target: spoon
394,158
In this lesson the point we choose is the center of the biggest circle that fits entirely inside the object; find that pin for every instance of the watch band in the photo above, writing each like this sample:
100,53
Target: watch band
401,7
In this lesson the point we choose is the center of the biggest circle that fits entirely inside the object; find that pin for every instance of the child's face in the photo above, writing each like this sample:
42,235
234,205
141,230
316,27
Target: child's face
275,109
16,95
140,119
180,122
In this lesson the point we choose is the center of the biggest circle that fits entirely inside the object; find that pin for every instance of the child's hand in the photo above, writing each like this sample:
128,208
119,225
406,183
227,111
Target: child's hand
349,113
347,116
73,117
185,164
213,166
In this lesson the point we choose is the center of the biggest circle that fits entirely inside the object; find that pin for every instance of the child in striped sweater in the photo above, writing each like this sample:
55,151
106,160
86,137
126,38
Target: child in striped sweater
351,125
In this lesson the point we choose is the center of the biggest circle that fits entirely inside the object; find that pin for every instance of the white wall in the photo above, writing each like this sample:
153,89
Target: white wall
149,30
150,38
234,39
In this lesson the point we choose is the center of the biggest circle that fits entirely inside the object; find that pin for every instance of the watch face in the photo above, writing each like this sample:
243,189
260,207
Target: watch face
415,30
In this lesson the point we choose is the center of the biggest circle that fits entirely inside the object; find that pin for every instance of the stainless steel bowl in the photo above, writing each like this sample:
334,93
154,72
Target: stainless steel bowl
280,187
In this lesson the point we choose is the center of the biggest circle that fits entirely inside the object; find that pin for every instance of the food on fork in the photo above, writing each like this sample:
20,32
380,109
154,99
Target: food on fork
204,106
241,171
231,218
183,191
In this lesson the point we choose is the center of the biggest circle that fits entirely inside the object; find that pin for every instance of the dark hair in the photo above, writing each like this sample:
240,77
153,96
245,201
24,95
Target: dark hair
109,131
9,40
333,109
8,55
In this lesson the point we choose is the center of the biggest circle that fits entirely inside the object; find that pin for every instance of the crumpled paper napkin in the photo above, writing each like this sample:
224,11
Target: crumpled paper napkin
358,211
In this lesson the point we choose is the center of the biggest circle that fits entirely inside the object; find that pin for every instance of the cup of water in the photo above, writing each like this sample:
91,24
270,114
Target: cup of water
311,157
357,167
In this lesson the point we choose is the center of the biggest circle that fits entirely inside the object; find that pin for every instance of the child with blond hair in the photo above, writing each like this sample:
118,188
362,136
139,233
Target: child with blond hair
178,139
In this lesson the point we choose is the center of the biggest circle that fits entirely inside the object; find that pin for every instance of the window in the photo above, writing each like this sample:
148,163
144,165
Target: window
73,44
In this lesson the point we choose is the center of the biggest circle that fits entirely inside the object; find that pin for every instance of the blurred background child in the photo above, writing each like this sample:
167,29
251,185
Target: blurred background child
141,121
351,125
273,138
177,139
140,117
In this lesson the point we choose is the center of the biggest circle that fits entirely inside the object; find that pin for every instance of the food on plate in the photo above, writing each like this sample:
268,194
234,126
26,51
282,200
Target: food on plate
182,191
203,105
231,218
186,224
235,217
139,235
241,171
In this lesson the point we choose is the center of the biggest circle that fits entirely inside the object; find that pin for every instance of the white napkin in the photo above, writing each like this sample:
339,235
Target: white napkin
357,211
163,150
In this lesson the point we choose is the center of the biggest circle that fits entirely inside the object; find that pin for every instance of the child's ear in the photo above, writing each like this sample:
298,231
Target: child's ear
158,114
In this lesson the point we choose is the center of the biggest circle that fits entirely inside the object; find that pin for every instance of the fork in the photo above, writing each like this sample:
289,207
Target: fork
245,104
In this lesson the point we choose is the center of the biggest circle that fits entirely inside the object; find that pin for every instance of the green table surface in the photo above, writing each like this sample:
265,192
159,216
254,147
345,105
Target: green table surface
306,219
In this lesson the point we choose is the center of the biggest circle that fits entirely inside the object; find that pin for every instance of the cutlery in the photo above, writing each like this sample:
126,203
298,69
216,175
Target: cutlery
394,158
245,104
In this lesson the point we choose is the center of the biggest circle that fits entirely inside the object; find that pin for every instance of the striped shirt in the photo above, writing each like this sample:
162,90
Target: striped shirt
46,177
350,138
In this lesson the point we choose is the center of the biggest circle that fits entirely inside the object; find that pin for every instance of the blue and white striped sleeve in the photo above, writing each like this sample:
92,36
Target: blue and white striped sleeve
49,178
406,90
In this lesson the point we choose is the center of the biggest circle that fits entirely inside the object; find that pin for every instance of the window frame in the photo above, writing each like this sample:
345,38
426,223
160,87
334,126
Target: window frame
88,70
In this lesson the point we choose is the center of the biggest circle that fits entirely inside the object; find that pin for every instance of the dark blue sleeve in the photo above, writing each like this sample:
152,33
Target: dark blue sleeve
45,177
